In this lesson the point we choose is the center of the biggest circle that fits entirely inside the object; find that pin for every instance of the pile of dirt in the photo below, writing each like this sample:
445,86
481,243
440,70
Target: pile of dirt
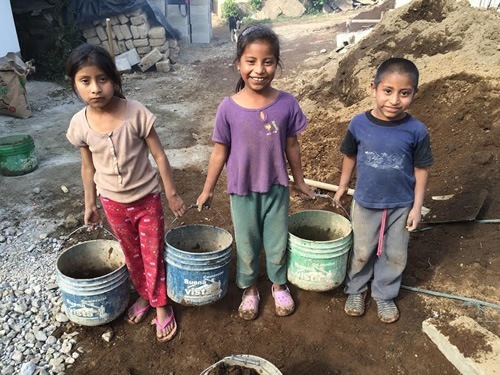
456,48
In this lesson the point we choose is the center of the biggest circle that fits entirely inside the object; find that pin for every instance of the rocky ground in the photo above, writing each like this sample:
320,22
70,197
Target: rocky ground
459,102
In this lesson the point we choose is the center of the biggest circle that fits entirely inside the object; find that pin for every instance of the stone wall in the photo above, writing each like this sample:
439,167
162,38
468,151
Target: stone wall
135,31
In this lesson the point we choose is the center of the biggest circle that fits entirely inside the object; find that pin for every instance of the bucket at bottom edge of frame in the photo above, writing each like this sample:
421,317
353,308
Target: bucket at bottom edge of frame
318,249
93,279
197,260
17,155
261,365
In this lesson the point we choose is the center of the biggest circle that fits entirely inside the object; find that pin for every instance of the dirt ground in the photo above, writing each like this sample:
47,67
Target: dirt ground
458,100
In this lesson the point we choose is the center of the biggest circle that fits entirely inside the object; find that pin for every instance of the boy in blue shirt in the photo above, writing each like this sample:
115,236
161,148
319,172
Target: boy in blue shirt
391,151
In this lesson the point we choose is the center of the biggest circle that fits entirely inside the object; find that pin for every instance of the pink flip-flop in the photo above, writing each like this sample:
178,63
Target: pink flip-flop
137,311
161,327
249,306
283,302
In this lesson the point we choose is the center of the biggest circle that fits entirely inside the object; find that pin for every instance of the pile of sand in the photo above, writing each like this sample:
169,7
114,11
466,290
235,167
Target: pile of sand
457,50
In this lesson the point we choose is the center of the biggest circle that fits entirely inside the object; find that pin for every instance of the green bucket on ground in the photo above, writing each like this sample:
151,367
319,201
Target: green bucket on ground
17,155
318,249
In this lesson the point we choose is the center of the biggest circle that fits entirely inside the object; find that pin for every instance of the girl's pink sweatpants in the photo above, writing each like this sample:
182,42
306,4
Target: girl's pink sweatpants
139,228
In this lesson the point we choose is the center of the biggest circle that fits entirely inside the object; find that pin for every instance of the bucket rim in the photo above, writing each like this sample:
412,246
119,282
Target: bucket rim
115,271
323,212
197,225
246,358
228,248
15,139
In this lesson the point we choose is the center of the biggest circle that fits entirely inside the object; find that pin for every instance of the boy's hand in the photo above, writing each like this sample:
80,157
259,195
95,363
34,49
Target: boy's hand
413,219
338,196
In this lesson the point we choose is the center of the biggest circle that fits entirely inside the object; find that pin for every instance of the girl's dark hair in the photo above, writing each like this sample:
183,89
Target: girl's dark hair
89,54
397,65
252,34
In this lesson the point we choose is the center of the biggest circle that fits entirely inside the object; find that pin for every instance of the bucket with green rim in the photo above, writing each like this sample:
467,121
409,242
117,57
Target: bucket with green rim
17,155
318,249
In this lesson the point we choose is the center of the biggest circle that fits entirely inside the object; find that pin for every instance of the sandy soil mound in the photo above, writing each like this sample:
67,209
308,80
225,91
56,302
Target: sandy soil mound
458,57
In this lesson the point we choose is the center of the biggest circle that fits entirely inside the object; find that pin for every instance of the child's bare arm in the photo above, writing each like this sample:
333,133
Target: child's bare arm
215,166
91,215
348,164
175,202
292,151
415,215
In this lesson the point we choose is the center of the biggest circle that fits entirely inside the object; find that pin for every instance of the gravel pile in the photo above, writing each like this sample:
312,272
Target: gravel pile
31,308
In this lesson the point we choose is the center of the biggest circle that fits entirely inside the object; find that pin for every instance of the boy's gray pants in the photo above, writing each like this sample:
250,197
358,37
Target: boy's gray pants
387,269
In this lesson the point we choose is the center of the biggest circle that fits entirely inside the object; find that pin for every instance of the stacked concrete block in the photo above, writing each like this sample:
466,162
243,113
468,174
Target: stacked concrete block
157,37
135,31
174,50
150,59
123,65
163,66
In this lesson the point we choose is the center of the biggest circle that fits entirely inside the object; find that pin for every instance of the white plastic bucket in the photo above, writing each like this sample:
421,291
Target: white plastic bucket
261,365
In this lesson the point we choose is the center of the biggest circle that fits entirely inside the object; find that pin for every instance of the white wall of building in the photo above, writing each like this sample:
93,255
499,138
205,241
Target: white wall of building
8,35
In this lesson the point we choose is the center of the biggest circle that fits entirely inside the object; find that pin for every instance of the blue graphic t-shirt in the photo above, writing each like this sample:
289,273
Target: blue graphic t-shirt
386,154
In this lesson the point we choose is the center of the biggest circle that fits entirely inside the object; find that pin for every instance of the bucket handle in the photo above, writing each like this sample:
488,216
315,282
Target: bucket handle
318,195
246,361
89,227
205,207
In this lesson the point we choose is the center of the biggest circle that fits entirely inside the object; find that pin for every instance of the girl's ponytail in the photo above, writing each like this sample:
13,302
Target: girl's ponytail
240,85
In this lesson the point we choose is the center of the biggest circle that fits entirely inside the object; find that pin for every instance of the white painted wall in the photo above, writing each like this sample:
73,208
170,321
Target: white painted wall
8,35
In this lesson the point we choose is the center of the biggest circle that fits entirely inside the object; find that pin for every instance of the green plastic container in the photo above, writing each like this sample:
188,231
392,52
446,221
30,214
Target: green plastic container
17,155
318,249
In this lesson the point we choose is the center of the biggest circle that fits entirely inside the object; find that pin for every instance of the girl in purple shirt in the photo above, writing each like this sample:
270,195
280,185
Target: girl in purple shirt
255,135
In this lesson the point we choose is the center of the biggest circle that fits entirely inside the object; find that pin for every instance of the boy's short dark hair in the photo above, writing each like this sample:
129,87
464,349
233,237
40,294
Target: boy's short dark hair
397,65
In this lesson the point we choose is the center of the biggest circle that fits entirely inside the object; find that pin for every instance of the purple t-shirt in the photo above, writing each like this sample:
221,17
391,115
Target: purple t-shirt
256,140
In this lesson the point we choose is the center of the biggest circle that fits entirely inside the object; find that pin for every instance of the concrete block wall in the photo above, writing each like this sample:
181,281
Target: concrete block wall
178,18
201,21
133,31
194,23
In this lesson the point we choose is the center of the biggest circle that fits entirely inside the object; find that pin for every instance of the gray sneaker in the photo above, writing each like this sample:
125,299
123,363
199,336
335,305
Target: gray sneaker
355,304
387,310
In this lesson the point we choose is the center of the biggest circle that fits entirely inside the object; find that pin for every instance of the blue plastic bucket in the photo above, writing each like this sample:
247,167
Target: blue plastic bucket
197,261
17,155
93,279
318,249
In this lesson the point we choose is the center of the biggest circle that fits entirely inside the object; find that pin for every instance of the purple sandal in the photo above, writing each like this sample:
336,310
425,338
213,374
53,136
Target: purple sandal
283,301
249,306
